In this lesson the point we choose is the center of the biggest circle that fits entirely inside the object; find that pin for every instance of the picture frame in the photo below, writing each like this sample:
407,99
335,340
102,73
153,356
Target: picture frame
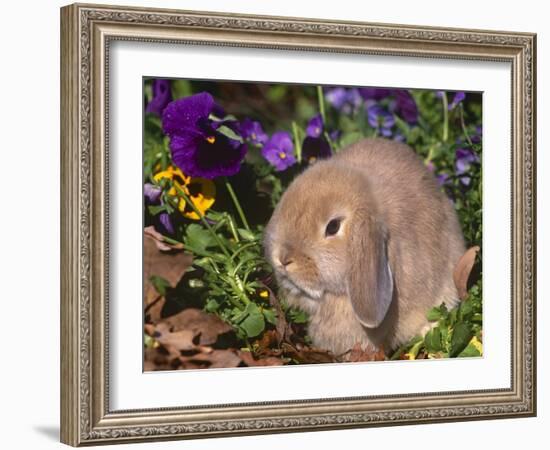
87,34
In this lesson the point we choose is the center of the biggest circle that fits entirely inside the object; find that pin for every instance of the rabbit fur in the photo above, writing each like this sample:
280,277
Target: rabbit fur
391,259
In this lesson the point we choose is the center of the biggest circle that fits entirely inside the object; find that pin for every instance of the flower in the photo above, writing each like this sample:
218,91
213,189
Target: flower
374,93
162,95
336,97
405,106
315,148
152,192
253,131
202,145
201,191
464,159
380,119
344,100
152,196
459,96
441,178
314,127
166,222
279,151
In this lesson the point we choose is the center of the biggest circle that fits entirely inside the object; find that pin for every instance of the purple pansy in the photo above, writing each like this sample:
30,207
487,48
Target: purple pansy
336,97
380,119
252,130
202,145
441,178
152,192
344,100
162,95
315,148
405,106
166,222
464,159
152,195
279,151
315,126
458,98
374,93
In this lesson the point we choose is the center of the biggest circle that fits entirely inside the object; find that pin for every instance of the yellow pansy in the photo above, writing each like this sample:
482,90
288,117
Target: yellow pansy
201,191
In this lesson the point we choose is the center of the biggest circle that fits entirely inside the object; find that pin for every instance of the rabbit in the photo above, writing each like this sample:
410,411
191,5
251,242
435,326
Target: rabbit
366,243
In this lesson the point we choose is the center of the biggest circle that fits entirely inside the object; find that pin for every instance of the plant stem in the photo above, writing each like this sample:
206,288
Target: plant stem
321,100
203,220
233,228
236,203
445,117
464,126
297,143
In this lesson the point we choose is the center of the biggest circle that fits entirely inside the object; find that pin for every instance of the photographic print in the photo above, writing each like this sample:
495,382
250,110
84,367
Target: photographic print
291,224
256,208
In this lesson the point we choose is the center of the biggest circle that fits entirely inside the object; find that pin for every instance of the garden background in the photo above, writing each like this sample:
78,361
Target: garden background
218,156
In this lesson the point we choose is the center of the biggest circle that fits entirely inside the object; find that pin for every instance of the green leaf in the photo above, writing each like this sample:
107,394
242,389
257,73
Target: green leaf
462,334
198,237
350,138
253,323
432,340
228,132
246,234
270,316
211,305
157,209
469,352
181,88
434,314
297,316
160,284
223,119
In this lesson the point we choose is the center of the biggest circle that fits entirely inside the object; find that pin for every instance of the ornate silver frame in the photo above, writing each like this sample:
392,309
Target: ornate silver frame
86,31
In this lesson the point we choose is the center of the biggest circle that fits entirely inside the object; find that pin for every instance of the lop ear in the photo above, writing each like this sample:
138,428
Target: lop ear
370,280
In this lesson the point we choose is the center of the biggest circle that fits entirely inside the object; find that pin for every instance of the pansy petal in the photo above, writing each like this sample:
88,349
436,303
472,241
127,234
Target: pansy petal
186,112
374,93
151,192
162,95
315,126
406,106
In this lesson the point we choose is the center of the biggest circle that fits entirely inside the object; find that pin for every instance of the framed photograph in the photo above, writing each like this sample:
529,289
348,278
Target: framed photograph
277,225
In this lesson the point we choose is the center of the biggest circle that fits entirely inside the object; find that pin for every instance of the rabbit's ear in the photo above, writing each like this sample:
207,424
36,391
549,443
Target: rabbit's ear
370,280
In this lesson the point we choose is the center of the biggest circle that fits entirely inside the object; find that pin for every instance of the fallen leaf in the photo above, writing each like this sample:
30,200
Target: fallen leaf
208,327
462,271
215,359
160,240
284,331
169,266
308,355
370,353
249,360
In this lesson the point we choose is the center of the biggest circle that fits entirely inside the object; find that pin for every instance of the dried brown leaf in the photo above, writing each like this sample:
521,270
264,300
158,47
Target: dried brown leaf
371,353
168,265
208,327
212,359
160,240
308,355
249,360
462,271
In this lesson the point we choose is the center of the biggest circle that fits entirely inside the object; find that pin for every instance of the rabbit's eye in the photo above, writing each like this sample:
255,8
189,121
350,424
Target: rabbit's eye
332,227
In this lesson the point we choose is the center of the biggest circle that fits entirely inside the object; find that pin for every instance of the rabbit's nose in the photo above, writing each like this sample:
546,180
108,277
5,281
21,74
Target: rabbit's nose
285,259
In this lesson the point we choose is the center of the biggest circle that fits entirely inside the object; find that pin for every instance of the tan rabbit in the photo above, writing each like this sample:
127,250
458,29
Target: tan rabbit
366,243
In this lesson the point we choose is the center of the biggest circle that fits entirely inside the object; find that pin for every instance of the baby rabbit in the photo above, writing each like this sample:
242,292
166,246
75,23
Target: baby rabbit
366,243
